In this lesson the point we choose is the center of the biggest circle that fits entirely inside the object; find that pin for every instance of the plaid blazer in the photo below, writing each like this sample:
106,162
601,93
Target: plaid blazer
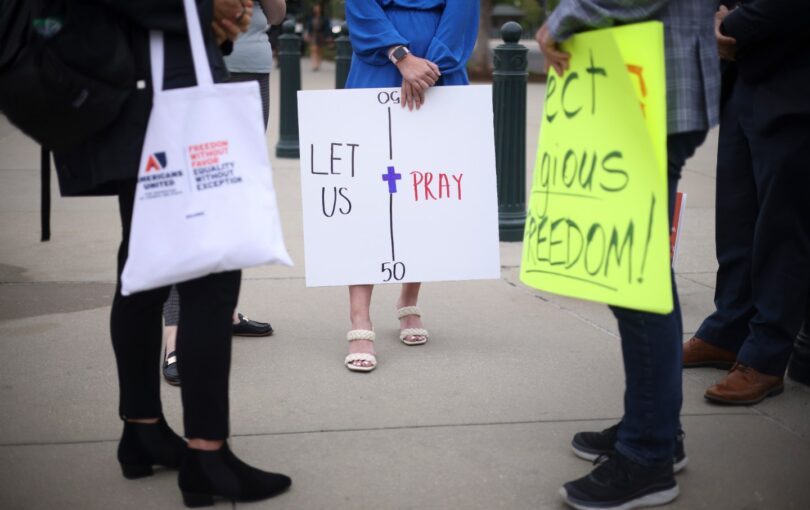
692,62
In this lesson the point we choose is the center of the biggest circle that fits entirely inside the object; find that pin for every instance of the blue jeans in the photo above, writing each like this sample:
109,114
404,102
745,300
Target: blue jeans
652,352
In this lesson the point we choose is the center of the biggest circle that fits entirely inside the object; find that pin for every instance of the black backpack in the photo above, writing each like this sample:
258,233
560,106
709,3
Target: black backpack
66,68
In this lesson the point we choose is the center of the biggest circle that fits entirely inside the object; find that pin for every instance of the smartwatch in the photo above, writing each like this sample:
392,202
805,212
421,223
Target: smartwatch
398,53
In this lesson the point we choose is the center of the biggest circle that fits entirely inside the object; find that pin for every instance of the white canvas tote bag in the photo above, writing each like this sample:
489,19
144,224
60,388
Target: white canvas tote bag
205,200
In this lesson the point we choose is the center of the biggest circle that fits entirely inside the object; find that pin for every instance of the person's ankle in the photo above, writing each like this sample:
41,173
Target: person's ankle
361,322
145,421
208,445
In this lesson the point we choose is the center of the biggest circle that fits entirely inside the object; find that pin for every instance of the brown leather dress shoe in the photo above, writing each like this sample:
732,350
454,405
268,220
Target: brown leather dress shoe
699,353
744,386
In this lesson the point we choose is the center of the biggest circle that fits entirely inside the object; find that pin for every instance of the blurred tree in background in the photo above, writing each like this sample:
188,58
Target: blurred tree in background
534,14
481,60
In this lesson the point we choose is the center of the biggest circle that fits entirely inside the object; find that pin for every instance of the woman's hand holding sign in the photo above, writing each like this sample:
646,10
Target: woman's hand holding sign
418,74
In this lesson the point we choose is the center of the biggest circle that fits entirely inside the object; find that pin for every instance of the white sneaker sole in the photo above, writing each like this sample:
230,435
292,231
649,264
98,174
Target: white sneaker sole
676,466
654,499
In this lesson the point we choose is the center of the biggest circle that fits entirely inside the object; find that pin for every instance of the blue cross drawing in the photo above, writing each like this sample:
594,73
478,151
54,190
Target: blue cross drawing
391,177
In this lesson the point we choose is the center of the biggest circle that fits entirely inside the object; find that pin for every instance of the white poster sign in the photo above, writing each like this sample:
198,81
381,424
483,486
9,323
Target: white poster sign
392,195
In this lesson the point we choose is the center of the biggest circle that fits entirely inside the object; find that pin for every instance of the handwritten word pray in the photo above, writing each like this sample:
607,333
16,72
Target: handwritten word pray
424,182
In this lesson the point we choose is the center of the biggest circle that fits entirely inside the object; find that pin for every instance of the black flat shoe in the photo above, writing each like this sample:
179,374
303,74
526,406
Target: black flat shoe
247,327
144,445
206,475
170,372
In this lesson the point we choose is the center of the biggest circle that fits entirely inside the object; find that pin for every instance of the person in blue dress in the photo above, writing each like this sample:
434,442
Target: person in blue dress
413,44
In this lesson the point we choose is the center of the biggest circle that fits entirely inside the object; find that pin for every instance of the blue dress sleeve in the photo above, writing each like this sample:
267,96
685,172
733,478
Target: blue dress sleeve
455,36
371,32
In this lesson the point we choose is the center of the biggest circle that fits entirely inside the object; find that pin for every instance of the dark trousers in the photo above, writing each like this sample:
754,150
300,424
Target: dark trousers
800,364
762,225
652,352
203,343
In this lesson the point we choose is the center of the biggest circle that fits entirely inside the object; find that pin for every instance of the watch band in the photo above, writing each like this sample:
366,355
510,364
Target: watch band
398,53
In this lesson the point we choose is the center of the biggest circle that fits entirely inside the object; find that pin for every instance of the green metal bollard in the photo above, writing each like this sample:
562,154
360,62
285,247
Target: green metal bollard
343,58
509,80
289,56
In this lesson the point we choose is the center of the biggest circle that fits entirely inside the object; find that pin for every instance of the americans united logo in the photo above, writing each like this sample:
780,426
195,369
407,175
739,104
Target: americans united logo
156,162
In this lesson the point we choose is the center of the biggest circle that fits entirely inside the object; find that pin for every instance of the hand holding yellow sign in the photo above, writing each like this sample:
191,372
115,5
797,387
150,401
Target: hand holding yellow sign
597,226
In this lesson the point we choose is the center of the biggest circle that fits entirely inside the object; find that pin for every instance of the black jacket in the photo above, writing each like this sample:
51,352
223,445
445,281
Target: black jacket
773,40
114,155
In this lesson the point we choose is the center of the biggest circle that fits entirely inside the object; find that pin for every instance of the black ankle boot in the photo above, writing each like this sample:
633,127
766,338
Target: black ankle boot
206,474
144,445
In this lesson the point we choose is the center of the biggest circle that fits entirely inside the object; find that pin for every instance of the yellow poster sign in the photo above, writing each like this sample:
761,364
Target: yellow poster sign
597,225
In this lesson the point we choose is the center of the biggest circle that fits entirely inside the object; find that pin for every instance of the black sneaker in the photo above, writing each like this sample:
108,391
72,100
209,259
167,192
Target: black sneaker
617,483
592,445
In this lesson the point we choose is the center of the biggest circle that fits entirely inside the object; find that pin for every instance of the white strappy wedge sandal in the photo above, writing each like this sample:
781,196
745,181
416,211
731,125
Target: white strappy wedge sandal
412,336
360,334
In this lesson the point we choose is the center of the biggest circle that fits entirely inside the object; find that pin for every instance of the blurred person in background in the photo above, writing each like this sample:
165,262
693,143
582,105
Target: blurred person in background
317,33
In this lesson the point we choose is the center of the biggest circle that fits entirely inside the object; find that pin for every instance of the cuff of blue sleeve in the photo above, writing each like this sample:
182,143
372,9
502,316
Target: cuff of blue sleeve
440,54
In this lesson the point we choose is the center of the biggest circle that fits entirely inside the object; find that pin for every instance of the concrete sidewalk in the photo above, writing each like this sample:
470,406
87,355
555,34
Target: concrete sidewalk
479,418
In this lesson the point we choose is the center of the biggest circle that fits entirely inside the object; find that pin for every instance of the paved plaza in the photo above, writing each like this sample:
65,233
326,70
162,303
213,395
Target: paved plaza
479,418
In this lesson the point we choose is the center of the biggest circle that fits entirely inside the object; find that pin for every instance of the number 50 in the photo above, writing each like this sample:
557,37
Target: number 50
397,271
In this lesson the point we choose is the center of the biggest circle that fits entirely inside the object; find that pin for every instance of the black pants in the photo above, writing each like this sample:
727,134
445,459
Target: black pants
800,363
762,224
203,343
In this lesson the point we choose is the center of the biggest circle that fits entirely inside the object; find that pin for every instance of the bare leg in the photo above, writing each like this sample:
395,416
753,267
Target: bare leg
409,297
360,315
169,339
205,444
316,57
147,421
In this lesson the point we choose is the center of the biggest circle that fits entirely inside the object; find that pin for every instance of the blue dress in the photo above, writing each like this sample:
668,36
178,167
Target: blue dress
442,31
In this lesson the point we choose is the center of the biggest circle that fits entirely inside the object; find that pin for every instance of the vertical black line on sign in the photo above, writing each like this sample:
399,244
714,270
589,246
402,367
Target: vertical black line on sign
390,138
391,195
391,223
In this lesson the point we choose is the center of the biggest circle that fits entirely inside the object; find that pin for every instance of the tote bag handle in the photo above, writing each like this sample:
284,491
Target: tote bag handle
202,68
